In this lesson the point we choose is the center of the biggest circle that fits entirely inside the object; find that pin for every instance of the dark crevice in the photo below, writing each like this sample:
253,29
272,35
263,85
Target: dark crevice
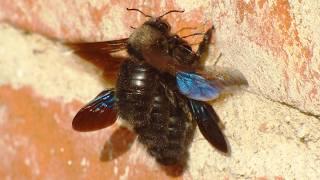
317,116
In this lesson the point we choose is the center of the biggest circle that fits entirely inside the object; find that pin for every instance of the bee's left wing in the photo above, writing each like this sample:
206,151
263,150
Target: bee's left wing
100,54
205,85
97,114
103,47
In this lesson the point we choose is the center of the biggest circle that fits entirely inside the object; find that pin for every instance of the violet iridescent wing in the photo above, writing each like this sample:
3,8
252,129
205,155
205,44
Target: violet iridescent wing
207,120
99,53
196,87
103,47
203,84
206,85
97,114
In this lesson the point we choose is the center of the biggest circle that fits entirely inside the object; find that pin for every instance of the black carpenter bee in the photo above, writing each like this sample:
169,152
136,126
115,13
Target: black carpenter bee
161,90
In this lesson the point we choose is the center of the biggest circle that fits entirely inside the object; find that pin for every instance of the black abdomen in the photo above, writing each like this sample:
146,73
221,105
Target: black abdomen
157,117
134,91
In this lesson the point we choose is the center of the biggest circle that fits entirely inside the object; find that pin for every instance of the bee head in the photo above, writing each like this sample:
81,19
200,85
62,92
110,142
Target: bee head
157,22
160,24
153,33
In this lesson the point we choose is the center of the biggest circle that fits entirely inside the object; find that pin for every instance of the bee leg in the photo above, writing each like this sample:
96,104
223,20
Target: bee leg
217,60
204,45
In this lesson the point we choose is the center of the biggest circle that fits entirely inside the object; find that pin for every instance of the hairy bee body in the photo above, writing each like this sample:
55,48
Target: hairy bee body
154,112
148,98
161,90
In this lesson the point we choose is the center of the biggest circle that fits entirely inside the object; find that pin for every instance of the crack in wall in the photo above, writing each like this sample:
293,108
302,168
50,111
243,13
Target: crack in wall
307,113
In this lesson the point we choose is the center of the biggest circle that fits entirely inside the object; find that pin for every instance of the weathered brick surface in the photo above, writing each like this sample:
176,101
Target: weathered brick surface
274,43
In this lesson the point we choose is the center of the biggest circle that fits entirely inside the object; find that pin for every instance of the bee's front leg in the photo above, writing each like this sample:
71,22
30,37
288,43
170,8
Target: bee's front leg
204,44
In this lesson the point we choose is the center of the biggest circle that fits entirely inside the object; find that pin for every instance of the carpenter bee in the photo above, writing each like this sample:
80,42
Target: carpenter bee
162,90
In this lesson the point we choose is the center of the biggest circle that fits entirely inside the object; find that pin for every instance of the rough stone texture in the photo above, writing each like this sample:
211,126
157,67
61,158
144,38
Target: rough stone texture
41,87
273,127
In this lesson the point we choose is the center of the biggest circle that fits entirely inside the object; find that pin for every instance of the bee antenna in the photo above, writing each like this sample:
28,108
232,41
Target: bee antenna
146,15
179,11
194,34
185,28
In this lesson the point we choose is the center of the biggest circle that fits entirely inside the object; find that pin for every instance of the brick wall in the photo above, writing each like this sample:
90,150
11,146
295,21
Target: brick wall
273,128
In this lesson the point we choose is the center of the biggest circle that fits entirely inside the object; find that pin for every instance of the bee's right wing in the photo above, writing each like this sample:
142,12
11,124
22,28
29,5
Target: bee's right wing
99,53
97,114
206,85
199,83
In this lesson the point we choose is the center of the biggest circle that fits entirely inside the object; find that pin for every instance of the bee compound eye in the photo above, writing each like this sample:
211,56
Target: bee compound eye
163,27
